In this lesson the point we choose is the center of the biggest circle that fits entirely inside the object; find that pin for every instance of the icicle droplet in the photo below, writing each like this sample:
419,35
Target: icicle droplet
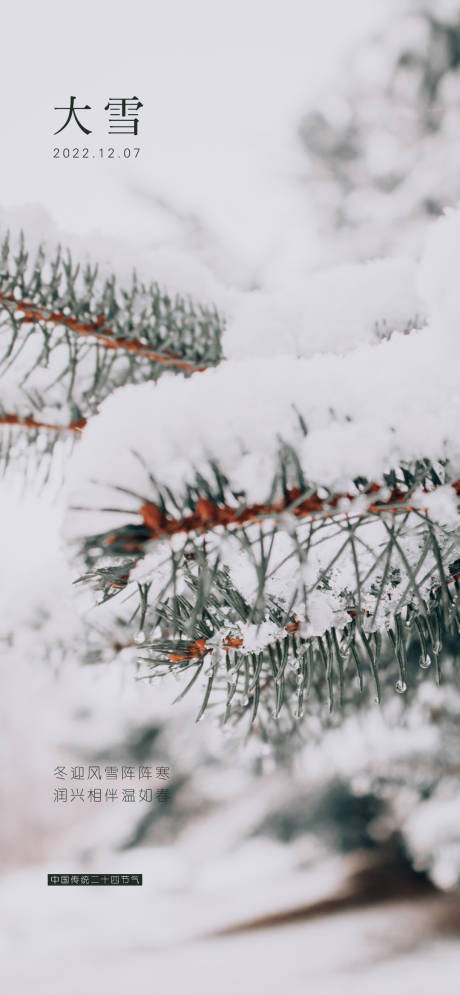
437,647
452,612
425,661
300,713
400,687
139,638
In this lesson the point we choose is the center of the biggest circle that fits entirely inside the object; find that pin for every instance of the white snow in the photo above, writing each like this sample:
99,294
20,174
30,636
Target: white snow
215,209
365,413
334,310
367,407
438,276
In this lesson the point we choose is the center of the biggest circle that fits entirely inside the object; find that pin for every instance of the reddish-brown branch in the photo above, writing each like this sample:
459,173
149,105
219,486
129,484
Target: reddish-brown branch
97,330
208,515
10,419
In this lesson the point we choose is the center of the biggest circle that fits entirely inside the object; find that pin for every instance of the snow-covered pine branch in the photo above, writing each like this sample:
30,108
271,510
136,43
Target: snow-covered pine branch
281,515
69,338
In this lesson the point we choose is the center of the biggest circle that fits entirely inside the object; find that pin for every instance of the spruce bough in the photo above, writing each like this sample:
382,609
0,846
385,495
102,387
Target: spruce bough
70,341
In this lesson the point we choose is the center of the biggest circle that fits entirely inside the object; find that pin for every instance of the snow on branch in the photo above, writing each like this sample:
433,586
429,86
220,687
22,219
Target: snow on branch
282,518
69,338
285,518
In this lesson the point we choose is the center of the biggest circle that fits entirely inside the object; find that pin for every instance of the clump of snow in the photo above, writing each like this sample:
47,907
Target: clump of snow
256,637
432,834
441,504
333,311
365,413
